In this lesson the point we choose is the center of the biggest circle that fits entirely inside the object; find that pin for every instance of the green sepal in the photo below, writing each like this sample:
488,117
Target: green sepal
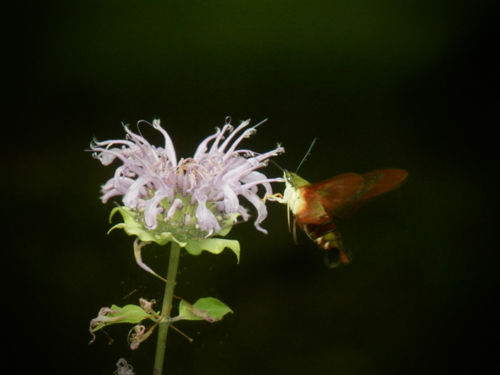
194,247
133,227
213,245
209,309
127,314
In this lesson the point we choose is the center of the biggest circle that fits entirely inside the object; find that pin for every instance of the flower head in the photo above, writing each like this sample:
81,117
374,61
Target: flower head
185,199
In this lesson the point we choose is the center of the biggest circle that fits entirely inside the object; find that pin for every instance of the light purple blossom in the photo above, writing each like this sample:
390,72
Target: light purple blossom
199,193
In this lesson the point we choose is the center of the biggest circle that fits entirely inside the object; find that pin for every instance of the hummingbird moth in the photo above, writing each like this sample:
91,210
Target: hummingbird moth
318,206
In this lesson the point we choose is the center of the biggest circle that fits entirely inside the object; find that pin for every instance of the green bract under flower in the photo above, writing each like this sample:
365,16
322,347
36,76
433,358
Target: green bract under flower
186,235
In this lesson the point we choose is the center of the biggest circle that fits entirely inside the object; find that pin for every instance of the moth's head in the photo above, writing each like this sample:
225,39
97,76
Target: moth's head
293,180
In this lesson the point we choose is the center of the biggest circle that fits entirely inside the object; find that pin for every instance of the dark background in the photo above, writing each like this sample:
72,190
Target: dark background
393,83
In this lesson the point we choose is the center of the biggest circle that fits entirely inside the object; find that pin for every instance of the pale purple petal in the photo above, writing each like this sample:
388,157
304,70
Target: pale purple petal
175,206
169,146
206,219
261,209
202,148
231,202
152,210
215,146
232,135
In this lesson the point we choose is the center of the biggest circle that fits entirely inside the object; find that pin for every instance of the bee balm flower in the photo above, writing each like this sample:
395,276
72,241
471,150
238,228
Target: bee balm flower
186,200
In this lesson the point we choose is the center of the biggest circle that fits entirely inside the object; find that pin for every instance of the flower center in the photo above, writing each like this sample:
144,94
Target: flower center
179,220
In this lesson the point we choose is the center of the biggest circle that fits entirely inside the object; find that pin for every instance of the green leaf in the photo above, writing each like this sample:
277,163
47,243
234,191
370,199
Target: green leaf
209,309
128,314
214,246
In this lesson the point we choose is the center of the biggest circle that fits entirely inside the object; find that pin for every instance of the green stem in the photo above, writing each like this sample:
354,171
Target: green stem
175,251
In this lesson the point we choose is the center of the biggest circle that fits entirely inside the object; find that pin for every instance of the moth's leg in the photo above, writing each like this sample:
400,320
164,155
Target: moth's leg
277,197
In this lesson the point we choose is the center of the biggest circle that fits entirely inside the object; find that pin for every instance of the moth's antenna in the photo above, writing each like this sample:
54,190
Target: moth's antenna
307,154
